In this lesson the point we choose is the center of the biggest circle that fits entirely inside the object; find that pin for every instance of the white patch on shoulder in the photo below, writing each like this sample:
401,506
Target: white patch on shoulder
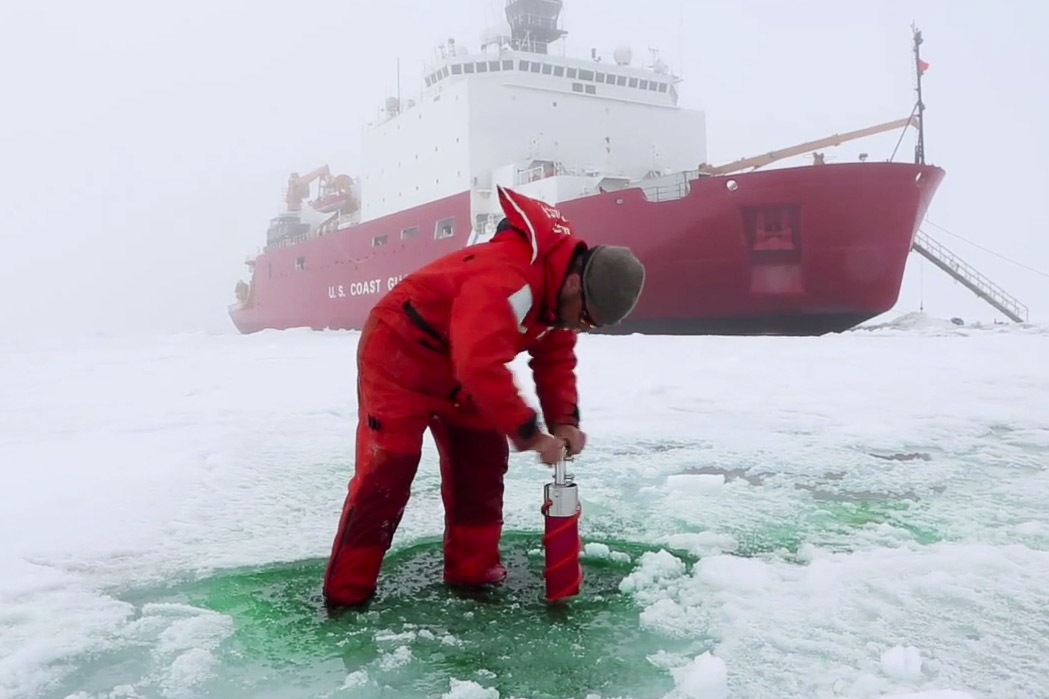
521,302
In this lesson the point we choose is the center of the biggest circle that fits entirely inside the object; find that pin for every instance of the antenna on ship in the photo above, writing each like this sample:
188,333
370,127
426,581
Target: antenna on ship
919,67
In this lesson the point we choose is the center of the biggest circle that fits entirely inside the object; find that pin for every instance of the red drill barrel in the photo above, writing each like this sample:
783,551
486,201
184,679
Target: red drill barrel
561,508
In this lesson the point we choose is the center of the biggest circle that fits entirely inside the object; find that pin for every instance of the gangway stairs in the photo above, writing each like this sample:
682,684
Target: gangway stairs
964,273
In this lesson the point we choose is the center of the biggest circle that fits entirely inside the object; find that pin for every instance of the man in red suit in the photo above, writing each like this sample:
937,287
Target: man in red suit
433,354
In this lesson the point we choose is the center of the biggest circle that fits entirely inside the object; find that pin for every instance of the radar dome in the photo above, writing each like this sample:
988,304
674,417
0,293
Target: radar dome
623,55
498,33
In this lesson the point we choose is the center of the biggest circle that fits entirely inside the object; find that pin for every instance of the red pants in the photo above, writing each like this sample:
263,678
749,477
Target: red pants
393,414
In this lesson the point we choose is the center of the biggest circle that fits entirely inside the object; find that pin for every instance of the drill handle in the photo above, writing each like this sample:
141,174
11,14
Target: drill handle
561,469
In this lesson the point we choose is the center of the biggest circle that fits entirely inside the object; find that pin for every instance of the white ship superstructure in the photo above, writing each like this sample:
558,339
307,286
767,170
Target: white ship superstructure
519,114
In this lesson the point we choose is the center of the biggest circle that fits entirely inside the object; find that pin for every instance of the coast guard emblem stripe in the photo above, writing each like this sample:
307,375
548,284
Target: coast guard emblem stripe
528,222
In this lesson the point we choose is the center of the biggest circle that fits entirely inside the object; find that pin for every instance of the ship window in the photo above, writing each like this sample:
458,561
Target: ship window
524,65
572,73
457,69
599,77
428,81
547,69
536,66
300,263
653,86
662,87
644,85
590,89
577,87
482,67
559,71
409,232
493,65
508,65
633,82
468,67
586,74
621,80
445,228
379,241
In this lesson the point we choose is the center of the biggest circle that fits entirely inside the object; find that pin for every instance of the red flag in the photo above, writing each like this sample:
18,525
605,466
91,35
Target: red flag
922,66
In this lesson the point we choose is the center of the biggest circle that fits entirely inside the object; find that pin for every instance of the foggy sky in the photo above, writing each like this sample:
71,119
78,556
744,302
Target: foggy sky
145,146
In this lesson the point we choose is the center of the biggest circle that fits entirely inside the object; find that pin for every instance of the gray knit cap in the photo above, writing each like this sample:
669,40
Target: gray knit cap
612,282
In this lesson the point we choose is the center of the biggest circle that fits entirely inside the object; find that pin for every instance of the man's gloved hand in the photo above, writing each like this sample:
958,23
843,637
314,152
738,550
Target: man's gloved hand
549,448
573,437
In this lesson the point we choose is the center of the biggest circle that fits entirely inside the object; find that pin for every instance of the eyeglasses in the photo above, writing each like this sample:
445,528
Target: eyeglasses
584,314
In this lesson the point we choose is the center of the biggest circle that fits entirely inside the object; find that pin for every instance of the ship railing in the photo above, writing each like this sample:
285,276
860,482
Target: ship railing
529,19
289,241
662,188
553,169
668,188
539,172
491,221
337,223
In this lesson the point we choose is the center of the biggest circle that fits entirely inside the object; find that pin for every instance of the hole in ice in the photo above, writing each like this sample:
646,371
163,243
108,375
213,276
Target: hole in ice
415,634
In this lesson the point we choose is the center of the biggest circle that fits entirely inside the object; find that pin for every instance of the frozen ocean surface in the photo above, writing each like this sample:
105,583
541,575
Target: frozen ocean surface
857,515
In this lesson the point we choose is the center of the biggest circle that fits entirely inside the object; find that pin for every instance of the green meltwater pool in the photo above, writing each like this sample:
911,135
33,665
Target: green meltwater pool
272,636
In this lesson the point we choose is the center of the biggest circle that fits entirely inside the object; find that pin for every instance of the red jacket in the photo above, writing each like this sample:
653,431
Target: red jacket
466,315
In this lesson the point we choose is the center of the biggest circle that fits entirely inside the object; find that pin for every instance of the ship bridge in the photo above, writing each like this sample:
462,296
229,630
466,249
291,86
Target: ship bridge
521,50
533,24
618,81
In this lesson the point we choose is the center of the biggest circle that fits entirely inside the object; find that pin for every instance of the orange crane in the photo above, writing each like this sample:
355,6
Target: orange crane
299,186
835,140
337,185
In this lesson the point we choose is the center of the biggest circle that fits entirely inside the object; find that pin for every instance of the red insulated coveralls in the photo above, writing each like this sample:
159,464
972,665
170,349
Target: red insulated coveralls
433,354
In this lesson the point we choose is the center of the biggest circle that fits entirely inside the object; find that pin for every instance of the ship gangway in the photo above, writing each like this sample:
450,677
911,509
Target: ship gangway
966,275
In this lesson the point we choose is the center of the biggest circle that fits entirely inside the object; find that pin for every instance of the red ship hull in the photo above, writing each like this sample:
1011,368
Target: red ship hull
794,251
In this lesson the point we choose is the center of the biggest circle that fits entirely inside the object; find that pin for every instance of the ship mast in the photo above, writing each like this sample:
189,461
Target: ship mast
919,67
533,24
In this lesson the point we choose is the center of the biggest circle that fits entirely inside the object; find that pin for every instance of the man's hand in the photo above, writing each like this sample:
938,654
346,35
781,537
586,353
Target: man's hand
572,436
549,448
